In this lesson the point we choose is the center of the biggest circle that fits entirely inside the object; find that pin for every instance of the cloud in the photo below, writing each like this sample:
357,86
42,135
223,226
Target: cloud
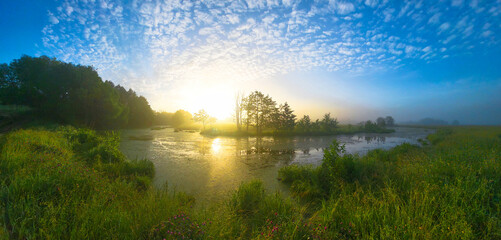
457,3
371,3
486,33
444,27
435,18
342,7
52,18
388,14
176,41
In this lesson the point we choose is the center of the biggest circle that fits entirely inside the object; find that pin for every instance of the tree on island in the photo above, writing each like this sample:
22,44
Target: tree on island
260,109
239,110
389,121
381,122
285,119
203,117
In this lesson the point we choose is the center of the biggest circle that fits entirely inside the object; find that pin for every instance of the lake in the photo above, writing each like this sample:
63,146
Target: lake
209,168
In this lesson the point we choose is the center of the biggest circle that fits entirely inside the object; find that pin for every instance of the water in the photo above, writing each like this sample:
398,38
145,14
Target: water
209,168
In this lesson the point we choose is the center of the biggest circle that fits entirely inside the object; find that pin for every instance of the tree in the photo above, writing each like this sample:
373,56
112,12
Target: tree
260,110
247,107
238,110
163,118
380,122
181,117
286,119
328,124
71,94
304,124
202,116
390,122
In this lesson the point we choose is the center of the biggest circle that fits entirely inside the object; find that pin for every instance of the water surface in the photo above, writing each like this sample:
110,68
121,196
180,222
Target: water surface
210,167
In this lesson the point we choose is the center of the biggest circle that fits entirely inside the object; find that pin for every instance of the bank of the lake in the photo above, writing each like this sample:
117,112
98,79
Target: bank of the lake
339,130
75,184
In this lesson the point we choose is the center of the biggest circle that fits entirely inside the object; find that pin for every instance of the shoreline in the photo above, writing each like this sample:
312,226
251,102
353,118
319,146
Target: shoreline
243,134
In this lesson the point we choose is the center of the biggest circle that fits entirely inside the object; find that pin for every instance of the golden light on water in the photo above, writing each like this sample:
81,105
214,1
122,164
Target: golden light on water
216,145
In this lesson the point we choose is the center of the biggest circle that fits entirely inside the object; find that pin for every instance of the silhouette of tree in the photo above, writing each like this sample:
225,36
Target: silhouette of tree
285,118
328,124
380,122
181,117
390,122
202,116
260,110
304,124
71,94
238,110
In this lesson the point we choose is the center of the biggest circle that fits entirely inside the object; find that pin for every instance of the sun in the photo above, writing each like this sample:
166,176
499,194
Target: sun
213,86
216,101
218,105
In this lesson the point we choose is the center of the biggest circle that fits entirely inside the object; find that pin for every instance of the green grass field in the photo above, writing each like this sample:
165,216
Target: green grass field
74,183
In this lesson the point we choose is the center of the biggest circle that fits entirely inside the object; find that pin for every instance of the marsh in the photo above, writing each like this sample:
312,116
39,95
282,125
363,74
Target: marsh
209,168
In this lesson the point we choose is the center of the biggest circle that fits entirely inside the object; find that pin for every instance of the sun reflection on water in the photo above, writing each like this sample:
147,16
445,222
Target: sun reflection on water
216,145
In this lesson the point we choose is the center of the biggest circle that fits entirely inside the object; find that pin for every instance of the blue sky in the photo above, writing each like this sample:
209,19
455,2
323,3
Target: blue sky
356,59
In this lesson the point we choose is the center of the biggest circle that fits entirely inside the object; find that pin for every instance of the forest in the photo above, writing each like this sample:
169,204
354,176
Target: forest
71,94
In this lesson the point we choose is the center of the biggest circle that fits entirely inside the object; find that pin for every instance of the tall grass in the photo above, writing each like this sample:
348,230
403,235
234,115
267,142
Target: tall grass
74,183
450,190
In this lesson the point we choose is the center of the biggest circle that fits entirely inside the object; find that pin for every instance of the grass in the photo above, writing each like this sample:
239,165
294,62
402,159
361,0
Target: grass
450,190
74,183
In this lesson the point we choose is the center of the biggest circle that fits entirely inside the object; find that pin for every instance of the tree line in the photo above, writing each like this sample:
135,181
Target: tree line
71,94
262,112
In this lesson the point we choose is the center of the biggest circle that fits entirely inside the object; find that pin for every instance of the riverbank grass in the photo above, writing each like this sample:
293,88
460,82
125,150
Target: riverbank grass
450,190
74,183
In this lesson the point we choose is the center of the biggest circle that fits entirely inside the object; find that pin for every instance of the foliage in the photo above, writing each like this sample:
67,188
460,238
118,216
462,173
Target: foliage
285,119
71,94
203,117
259,110
163,118
181,118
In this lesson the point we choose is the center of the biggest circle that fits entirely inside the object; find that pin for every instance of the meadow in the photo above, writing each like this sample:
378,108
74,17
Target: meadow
75,183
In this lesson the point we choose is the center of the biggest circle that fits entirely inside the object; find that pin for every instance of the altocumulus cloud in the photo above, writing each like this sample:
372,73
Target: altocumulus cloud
149,45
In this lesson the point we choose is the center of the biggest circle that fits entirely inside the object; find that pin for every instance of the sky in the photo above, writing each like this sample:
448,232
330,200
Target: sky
355,59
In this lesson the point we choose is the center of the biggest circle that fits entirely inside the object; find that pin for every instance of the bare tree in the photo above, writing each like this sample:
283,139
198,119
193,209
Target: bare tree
239,97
